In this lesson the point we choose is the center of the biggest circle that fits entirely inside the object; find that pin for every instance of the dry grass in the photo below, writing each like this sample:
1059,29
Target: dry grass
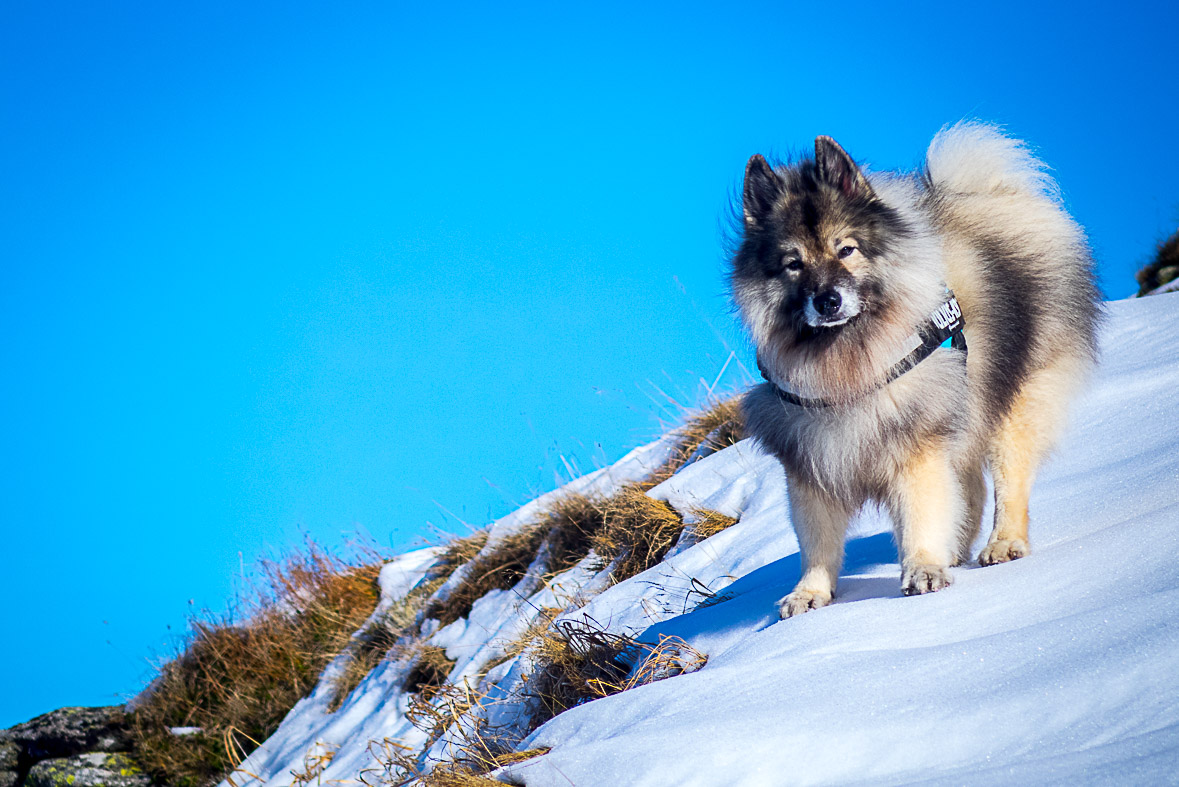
628,527
402,617
460,551
499,569
637,531
430,669
581,662
570,523
476,750
366,653
236,680
315,762
706,432
397,766
708,522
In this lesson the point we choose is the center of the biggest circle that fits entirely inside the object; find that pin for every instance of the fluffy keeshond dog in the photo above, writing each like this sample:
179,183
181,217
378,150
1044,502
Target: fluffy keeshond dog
915,330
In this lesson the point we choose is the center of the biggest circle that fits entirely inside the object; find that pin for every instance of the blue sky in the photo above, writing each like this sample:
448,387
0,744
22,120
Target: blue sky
275,269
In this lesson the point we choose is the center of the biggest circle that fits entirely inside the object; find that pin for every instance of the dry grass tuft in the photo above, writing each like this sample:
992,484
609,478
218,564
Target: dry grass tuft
456,777
637,531
315,762
709,523
366,654
236,680
402,617
398,765
430,669
706,432
436,711
496,570
513,757
570,523
461,550
580,662
629,527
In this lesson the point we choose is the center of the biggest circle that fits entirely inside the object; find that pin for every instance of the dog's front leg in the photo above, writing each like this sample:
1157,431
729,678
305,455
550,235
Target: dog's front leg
927,507
821,524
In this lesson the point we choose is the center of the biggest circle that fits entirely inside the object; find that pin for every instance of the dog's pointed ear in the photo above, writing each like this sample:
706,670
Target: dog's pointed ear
762,187
836,168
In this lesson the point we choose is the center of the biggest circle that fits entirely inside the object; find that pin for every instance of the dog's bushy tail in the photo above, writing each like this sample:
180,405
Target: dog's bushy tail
971,157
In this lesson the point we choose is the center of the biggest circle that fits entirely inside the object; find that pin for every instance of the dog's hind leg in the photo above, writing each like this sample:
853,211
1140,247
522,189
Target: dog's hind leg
974,489
821,525
927,507
1022,441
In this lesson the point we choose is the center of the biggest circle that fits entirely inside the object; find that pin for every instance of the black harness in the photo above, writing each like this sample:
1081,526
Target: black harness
942,327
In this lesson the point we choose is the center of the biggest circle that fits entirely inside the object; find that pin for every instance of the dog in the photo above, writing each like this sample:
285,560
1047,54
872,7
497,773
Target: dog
915,330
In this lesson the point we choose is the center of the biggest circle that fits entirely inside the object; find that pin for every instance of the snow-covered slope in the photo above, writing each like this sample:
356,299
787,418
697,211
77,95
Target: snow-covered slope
1062,667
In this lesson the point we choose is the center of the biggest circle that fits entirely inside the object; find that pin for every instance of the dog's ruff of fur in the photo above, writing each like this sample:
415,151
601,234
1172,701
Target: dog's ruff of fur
983,218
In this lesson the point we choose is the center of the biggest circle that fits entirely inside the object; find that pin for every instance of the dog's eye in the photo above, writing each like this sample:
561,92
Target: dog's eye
792,264
846,251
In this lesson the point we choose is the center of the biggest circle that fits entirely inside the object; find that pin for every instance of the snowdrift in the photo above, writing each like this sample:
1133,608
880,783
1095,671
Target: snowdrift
1062,667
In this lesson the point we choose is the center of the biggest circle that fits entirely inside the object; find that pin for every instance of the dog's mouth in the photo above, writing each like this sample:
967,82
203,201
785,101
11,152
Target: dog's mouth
826,329
829,323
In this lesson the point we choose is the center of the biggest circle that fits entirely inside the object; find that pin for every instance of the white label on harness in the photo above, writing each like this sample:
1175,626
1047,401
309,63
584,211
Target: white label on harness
947,314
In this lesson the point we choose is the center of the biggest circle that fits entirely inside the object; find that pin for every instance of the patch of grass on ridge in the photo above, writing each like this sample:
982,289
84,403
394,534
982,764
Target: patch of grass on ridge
628,527
401,619
235,679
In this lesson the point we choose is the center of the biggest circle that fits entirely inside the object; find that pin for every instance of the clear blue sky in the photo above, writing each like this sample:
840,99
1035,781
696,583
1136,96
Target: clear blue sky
280,268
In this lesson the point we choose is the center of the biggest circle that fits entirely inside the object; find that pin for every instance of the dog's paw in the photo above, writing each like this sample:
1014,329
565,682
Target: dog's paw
1004,550
925,579
800,601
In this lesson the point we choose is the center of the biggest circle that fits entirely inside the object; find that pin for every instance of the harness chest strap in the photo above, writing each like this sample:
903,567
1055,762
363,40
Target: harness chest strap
944,326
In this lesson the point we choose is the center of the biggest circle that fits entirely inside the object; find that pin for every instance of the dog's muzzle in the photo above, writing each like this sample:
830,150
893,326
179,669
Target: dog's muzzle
831,307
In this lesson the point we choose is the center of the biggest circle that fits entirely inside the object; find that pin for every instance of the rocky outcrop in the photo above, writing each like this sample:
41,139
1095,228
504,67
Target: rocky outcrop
99,769
9,764
70,747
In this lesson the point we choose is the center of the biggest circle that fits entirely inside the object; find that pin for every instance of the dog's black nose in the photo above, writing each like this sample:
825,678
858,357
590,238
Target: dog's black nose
828,303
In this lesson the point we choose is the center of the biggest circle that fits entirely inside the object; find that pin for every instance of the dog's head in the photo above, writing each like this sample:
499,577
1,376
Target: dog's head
816,268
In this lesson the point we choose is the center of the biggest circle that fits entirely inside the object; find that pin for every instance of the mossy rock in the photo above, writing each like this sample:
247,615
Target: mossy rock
98,769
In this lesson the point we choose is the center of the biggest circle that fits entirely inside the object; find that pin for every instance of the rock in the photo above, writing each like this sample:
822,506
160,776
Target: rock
9,763
9,755
69,731
99,769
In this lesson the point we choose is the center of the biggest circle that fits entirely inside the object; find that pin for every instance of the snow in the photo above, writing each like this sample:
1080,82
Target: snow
1062,667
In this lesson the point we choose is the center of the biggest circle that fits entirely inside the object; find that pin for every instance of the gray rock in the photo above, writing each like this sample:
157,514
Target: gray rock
99,769
9,763
68,731
9,755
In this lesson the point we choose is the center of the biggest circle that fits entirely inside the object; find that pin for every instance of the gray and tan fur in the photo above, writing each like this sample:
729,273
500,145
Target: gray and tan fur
836,268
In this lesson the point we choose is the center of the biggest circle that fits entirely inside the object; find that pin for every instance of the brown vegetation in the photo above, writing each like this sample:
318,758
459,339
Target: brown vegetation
236,680
402,618
498,569
431,667
580,662
637,530
706,432
708,523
